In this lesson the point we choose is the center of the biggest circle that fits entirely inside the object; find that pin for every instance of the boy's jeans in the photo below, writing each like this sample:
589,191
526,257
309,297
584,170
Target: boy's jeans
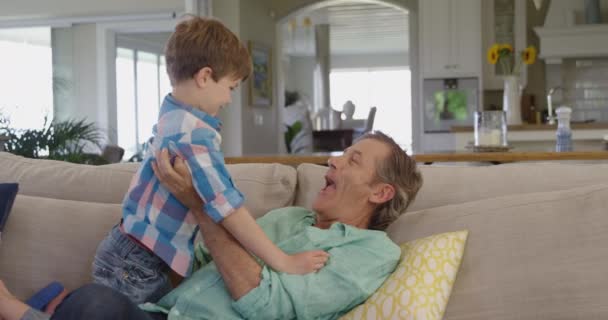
122,264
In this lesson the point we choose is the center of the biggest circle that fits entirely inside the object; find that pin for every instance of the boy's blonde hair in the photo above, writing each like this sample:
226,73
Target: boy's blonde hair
199,42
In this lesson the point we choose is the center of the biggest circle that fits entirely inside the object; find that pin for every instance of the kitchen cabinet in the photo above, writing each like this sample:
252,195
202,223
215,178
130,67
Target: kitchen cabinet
504,21
450,38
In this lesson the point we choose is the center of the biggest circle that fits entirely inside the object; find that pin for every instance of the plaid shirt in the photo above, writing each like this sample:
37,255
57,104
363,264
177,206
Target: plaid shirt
155,217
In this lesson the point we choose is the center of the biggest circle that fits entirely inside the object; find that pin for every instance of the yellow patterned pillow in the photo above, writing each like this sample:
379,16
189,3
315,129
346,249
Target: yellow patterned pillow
420,286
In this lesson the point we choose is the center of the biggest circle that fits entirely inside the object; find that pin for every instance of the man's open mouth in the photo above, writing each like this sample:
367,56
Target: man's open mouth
329,183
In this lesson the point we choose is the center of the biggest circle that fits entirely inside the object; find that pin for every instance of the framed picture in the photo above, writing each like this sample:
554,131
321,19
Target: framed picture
260,83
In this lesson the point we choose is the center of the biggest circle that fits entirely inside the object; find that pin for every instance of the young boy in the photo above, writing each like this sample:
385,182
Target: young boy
205,62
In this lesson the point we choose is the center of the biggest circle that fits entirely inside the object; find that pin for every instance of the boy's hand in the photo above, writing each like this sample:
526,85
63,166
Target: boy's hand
305,262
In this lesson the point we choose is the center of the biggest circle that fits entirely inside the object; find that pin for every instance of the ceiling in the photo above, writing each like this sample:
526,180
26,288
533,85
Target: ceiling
355,28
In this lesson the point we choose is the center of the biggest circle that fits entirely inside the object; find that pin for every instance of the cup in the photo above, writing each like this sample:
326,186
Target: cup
490,129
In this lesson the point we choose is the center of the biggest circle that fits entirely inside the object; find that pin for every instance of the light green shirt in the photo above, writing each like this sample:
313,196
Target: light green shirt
360,260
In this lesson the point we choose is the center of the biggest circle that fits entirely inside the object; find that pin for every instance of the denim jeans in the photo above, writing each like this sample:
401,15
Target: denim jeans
122,264
96,302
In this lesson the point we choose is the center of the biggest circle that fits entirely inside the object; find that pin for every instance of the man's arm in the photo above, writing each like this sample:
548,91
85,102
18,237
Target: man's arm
238,268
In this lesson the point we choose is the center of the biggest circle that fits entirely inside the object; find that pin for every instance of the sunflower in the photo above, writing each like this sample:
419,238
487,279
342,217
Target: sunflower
505,48
529,55
493,54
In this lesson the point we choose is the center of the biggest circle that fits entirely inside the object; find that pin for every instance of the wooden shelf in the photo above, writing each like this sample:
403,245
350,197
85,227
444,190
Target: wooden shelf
494,157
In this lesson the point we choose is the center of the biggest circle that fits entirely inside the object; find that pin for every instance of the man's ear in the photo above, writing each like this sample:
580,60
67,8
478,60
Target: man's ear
203,77
382,193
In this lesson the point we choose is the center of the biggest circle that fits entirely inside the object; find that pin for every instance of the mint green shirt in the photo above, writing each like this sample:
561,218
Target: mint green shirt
360,260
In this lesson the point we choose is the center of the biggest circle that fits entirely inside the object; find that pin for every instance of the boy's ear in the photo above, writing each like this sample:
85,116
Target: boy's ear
203,76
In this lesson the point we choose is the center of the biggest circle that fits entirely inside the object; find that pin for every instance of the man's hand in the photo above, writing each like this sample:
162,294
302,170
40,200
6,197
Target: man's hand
176,179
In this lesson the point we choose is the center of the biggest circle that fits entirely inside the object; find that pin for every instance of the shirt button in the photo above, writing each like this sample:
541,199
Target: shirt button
197,289
175,312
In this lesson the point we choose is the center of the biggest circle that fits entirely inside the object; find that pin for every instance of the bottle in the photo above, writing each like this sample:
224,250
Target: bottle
564,134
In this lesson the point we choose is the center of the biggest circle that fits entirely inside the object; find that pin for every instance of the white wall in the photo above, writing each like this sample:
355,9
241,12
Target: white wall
300,72
300,76
260,125
232,138
11,9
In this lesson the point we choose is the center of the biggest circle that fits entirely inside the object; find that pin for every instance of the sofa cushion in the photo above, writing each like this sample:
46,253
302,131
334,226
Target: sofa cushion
49,239
528,256
420,286
445,185
64,180
265,186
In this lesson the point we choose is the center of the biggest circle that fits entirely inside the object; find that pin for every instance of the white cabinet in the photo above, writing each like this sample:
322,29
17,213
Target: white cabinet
504,21
450,38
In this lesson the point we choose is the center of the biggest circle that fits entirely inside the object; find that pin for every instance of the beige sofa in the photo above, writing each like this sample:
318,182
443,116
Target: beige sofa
537,249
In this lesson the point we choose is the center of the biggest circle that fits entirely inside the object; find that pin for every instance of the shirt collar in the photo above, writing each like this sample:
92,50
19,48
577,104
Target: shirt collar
214,122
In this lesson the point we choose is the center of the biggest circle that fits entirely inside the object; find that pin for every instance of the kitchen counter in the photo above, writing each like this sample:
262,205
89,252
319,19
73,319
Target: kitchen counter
448,156
541,127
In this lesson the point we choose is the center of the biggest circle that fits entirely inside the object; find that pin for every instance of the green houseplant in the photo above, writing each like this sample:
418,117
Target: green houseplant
58,140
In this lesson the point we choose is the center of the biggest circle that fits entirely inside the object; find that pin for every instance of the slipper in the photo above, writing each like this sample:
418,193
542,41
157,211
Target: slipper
43,297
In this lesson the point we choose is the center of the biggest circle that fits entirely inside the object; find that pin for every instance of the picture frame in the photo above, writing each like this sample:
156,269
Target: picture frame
260,82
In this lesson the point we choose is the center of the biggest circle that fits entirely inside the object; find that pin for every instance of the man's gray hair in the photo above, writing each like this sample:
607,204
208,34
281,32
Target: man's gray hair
400,171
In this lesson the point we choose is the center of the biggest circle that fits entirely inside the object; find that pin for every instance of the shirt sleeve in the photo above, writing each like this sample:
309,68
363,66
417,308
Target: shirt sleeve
210,177
327,294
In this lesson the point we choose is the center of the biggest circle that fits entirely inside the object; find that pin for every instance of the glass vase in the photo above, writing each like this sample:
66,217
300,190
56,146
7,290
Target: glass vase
511,102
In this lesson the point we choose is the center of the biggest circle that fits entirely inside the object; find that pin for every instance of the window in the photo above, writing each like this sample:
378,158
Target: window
141,85
26,76
387,89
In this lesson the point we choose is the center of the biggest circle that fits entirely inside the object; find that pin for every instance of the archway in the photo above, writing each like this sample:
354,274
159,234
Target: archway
299,8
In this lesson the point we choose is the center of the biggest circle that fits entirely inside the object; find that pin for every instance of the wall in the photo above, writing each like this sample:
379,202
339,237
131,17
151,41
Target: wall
560,11
300,71
260,125
12,9
300,76
228,11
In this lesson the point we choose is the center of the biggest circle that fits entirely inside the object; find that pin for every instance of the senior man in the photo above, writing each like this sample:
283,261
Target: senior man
366,188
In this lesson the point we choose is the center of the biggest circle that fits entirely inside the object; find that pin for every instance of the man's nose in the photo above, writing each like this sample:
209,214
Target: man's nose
334,162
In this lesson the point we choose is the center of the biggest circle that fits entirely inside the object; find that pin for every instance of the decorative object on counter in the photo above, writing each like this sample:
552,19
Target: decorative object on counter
510,65
563,134
327,119
490,130
593,13
348,110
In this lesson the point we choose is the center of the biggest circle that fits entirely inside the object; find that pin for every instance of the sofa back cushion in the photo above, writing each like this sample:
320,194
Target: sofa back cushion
265,186
49,239
528,255
445,185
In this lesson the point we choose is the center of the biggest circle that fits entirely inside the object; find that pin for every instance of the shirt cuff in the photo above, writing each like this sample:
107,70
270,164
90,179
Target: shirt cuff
224,204
256,299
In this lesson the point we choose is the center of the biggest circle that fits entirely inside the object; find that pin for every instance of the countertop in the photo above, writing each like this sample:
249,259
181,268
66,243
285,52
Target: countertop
541,127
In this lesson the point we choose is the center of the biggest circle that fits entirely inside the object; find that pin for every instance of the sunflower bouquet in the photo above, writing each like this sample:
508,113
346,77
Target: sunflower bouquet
510,63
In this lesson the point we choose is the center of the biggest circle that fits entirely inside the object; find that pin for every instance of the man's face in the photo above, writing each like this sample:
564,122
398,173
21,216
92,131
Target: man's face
350,180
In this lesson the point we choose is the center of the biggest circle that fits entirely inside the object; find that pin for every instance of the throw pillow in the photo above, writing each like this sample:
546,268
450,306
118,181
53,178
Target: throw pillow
8,192
420,286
